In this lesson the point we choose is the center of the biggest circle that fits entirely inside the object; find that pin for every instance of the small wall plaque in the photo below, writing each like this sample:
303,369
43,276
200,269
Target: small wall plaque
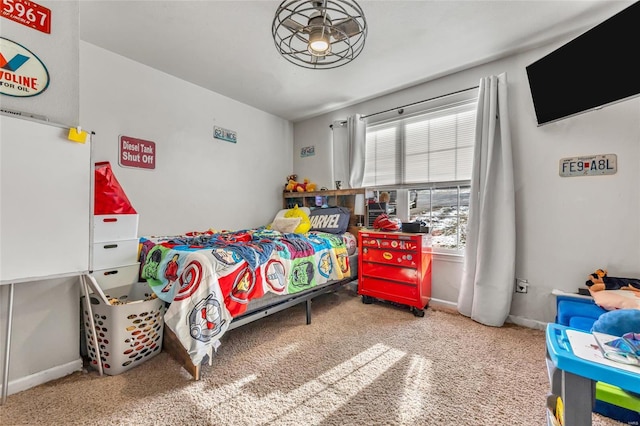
592,165
308,151
225,134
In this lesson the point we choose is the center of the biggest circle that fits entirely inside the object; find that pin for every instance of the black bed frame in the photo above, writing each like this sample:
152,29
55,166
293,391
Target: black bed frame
287,303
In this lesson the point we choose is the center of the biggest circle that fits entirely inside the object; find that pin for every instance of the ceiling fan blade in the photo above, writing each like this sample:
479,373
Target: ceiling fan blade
293,26
347,26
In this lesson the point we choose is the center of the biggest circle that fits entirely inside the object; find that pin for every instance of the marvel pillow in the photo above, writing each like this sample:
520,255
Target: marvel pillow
334,220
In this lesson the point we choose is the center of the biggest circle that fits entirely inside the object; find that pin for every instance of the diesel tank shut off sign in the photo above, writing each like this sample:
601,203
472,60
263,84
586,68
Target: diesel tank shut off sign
137,153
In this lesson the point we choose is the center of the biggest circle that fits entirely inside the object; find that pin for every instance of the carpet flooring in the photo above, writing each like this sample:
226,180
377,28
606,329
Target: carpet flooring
355,364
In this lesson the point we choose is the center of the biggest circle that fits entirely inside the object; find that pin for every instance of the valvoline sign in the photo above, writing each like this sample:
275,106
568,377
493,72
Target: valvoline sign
22,73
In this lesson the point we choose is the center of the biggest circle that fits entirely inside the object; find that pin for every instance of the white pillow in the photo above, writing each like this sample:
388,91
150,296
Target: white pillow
286,225
281,213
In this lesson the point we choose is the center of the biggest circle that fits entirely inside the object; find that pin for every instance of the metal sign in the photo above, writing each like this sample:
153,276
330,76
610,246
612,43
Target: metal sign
592,165
137,153
22,73
28,13
225,134
308,151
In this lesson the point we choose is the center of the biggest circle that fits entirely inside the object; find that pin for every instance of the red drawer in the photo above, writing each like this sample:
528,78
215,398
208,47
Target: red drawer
388,290
390,257
385,243
386,272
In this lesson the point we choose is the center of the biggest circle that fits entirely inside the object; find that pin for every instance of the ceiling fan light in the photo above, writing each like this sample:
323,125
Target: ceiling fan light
319,44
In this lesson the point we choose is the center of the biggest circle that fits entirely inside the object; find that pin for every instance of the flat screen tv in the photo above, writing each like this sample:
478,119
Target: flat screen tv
595,69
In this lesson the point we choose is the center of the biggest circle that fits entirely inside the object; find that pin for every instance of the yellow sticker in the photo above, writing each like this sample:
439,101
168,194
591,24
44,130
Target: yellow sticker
76,134
387,255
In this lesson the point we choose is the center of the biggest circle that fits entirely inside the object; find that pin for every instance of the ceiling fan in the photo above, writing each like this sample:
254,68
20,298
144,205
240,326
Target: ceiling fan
319,34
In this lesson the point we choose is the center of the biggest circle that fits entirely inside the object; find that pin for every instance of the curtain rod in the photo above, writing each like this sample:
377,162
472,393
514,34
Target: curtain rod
420,102
411,104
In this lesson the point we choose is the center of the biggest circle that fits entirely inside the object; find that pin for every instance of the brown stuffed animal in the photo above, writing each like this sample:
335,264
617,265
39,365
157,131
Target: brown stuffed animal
599,281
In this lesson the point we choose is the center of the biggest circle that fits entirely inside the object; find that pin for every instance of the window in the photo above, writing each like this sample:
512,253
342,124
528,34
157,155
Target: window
445,211
423,148
425,160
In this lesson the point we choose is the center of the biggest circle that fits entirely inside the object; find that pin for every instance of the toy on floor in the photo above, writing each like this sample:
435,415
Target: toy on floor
599,280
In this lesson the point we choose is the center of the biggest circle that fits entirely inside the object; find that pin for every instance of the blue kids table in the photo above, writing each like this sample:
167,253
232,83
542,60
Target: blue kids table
580,363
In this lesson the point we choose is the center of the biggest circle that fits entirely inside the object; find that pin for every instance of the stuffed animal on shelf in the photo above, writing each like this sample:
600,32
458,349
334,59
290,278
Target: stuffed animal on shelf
599,280
291,186
291,178
295,186
309,186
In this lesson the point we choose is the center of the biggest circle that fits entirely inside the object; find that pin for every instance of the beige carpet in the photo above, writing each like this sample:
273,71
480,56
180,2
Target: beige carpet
355,364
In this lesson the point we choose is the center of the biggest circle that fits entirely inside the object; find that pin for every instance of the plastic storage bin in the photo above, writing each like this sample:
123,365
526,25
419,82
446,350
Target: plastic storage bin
115,227
129,333
113,254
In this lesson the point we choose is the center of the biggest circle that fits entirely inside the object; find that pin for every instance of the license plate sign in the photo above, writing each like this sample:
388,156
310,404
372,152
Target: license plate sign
28,13
591,165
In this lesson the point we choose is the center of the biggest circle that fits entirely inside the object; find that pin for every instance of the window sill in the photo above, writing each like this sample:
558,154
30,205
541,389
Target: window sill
448,256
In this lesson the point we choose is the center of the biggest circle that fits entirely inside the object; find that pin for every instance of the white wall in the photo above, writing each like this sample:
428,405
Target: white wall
566,227
45,337
199,182
59,53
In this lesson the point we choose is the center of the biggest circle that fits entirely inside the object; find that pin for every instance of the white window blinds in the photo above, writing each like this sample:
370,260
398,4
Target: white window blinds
434,146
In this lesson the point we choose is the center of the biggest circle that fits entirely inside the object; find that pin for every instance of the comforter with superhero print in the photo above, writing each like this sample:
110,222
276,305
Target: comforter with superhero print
209,278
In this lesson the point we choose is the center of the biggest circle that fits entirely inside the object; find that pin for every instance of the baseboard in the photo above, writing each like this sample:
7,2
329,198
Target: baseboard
27,382
443,303
525,322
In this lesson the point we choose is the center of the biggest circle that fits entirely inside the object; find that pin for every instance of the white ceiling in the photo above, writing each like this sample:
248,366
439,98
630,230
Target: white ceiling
227,47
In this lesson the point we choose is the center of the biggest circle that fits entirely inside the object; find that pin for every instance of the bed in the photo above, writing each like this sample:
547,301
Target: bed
216,281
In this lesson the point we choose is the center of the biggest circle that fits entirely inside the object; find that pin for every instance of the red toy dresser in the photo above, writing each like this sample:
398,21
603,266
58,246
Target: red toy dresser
395,266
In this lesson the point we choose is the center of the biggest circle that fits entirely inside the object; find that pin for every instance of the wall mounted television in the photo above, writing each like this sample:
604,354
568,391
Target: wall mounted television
597,68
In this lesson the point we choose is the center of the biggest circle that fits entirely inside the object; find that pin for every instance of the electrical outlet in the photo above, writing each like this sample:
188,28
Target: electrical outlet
522,286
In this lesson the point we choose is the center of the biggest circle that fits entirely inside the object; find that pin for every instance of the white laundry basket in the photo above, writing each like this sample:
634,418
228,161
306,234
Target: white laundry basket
128,333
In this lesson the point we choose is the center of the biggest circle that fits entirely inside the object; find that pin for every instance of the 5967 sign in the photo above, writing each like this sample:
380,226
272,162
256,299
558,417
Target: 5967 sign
28,13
